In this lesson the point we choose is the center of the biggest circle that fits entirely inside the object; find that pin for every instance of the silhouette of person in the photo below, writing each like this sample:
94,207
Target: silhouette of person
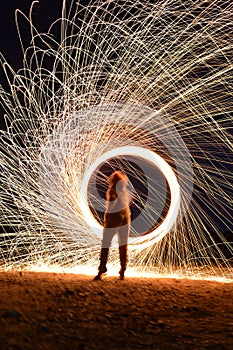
117,219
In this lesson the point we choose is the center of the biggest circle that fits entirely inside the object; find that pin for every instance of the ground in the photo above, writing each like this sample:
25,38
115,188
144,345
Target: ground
64,311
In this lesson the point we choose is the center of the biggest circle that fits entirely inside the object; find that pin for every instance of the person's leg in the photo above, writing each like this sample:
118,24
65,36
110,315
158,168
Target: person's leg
111,225
108,234
123,234
103,260
123,260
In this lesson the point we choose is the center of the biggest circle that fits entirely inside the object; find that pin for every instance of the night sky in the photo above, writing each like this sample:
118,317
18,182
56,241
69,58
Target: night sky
43,15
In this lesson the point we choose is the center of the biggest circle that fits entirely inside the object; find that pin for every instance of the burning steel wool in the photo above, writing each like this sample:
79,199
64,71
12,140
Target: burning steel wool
143,87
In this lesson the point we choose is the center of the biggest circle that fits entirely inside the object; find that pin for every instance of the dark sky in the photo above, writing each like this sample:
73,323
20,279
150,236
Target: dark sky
45,12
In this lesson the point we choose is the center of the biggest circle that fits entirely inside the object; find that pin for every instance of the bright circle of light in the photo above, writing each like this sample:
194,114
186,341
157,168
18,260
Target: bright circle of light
152,157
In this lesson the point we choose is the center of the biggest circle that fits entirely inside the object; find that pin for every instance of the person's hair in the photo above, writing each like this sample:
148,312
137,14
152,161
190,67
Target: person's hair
117,176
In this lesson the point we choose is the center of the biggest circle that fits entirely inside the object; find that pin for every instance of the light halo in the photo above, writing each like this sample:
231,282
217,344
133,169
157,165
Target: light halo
158,233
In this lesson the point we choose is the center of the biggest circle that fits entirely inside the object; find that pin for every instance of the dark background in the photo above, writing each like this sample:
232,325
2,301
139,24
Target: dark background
44,13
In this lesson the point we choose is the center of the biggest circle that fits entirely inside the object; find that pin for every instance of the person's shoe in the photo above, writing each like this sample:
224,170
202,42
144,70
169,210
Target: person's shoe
122,275
100,273
98,277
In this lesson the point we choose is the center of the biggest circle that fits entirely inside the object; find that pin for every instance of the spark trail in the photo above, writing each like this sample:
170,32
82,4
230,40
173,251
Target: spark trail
110,76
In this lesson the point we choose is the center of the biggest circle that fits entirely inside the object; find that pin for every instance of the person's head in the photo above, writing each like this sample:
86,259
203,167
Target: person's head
118,177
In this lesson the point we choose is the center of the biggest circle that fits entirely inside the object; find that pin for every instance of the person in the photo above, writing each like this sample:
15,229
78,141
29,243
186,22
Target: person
117,219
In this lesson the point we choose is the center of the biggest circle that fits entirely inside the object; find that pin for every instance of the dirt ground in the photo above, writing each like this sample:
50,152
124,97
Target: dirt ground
65,311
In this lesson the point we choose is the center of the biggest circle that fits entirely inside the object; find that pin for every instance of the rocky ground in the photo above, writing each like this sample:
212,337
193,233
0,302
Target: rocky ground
65,311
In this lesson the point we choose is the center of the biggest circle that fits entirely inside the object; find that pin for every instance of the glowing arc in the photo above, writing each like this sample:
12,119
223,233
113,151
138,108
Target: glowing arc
152,157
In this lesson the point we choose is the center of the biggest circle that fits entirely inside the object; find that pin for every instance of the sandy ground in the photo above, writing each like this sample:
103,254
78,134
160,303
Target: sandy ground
65,311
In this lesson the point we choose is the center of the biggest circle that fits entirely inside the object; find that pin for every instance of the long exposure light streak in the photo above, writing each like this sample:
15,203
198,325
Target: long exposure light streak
156,160
150,76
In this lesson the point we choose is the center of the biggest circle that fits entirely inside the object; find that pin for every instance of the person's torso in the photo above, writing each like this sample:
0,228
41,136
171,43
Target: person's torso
120,200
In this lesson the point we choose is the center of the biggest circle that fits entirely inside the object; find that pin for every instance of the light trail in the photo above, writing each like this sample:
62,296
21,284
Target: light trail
171,217
154,76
